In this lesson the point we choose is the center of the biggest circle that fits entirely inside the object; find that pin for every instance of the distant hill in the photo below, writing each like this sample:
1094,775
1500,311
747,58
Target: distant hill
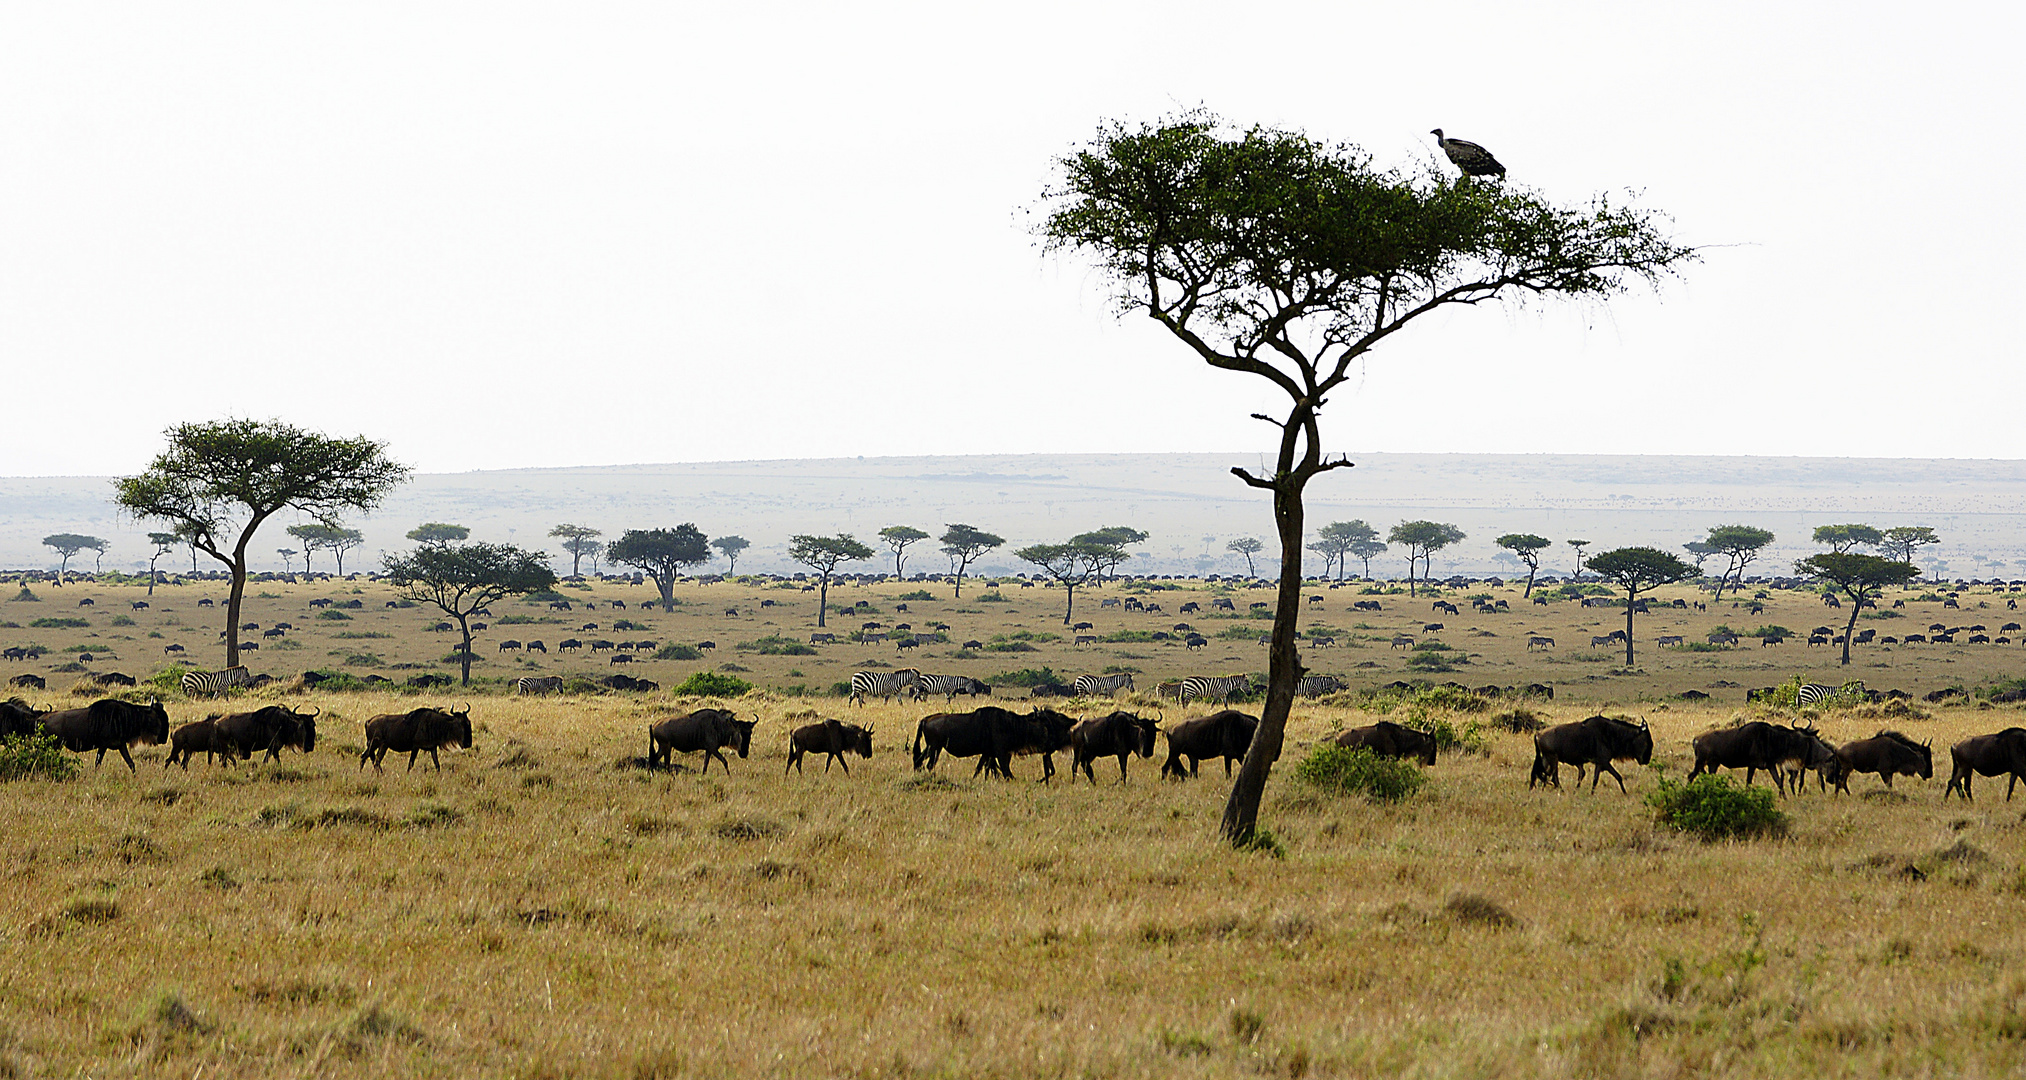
1189,502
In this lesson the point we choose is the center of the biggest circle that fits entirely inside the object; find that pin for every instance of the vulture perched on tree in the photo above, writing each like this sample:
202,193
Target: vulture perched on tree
1473,159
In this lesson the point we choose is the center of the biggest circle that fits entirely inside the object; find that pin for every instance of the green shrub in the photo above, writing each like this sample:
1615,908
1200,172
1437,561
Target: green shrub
1340,771
27,757
918,594
1130,636
27,597
516,620
1717,808
993,597
122,620
1010,646
168,680
772,645
546,596
674,651
1025,677
712,684
59,624
339,682
1448,737
360,635
333,615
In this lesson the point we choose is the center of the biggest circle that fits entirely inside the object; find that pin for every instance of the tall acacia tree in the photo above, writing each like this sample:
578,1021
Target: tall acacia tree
1860,577
1741,544
439,532
1275,255
1247,546
1114,539
897,538
1579,545
335,539
1841,538
1902,542
228,474
730,547
68,544
579,541
1636,570
1071,565
460,579
964,544
661,554
823,554
1528,548
1423,539
1367,547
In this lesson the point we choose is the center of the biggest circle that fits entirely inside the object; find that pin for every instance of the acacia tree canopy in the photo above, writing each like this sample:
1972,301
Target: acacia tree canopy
1637,569
823,554
1841,538
964,544
1247,546
661,554
1860,577
1742,544
1902,542
1528,548
68,544
1423,539
730,547
460,579
439,532
897,538
1071,565
579,541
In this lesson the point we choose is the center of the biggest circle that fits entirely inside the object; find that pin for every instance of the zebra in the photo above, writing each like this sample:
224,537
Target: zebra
1220,687
1093,685
532,684
950,686
1816,693
214,683
886,684
1315,686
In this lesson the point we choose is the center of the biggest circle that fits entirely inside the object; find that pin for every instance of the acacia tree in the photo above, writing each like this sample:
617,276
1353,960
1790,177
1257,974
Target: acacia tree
1902,542
1528,548
1423,539
897,538
822,554
1741,544
1841,538
579,541
288,560
1637,569
1700,551
1330,553
964,544
1368,548
661,554
730,547
1275,255
1579,545
460,579
1860,577
68,544
335,539
226,473
1247,546
1071,565
1115,539
164,543
439,532
1338,539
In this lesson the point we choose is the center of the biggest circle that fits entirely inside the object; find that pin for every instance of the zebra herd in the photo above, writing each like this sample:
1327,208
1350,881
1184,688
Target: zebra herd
908,682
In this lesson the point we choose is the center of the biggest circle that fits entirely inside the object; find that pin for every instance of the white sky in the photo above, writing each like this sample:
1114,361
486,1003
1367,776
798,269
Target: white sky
506,235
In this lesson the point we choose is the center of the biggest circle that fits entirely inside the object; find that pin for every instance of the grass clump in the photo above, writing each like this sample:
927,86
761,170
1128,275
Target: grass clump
1717,808
1341,771
674,651
1026,677
35,757
712,684
60,623
771,645
333,615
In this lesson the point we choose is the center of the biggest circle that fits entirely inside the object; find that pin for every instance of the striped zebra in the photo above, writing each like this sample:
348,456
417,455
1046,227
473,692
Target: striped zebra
886,685
1315,686
532,684
214,683
1816,693
950,686
1093,685
1219,687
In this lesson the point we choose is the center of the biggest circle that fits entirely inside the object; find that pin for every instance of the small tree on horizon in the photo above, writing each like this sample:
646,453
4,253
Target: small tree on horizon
1423,539
288,560
1527,547
579,541
964,544
1742,544
1839,539
661,554
68,544
823,554
164,543
1071,565
1700,551
730,547
1859,577
335,539
439,532
1579,545
1636,570
1247,546
459,579
897,538
1903,541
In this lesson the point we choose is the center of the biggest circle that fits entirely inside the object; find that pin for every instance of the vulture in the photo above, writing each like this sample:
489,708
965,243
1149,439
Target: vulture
1473,159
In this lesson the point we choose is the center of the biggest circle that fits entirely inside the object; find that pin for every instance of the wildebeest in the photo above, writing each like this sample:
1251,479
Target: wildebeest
198,738
1597,741
1751,747
269,729
831,738
993,735
27,681
1810,751
1887,753
705,731
1117,734
1388,739
414,731
1997,754
17,717
109,724
1226,734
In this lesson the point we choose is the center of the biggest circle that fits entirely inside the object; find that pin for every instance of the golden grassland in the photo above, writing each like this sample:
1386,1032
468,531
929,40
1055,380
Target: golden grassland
541,908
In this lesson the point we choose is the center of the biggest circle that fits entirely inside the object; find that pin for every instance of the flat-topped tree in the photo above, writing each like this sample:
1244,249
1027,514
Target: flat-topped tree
439,532
730,547
1114,539
1289,259
1859,577
288,560
661,554
578,541
1636,570
1247,546
1741,544
1367,547
1527,547
1335,541
1071,565
1423,539
1841,538
1902,542
335,539
68,544
1700,551
897,538
964,544
235,474
823,554
460,579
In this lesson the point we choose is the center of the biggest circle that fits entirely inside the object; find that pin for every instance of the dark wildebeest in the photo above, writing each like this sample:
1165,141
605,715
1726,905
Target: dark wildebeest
412,732
109,724
1388,739
269,729
992,735
1997,754
831,738
1226,734
705,731
198,738
1597,741
1886,753
17,717
27,681
1118,734
1810,751
1751,747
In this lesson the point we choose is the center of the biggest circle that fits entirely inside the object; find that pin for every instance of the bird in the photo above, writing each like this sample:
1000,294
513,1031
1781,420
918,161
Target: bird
1473,159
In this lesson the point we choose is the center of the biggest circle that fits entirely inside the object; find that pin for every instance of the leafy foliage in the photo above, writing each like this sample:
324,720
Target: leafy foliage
1341,771
713,684
1717,808
35,756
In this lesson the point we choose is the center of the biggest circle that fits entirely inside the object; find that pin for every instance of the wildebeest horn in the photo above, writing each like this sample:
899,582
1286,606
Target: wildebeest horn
466,712
319,712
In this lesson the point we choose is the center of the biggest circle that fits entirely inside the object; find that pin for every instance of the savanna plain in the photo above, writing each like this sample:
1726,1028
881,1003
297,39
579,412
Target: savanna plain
543,907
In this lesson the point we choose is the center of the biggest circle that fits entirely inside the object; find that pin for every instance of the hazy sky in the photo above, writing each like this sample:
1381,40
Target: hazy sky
505,235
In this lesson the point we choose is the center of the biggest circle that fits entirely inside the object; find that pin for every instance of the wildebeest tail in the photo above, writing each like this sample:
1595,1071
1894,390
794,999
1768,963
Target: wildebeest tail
921,732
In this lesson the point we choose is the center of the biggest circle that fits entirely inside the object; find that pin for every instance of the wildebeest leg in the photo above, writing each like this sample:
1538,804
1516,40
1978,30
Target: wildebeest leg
795,760
2009,784
723,761
839,758
128,758
1885,775
1602,768
1047,767
101,758
1122,770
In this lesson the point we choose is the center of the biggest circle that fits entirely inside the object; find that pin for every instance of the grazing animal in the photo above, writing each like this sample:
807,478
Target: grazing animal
1540,641
2001,753
886,685
533,684
1222,688
1388,739
1315,686
1751,746
268,729
214,683
1597,741
1226,734
1816,693
200,737
950,686
1109,685
1117,734
831,738
1050,689
536,646
567,644
28,681
414,731
1887,753
17,717
908,643
1669,639
993,735
108,724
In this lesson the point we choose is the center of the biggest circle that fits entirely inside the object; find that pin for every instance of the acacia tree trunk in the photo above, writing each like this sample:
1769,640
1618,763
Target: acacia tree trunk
822,597
1241,810
1533,567
1850,628
1631,597
464,651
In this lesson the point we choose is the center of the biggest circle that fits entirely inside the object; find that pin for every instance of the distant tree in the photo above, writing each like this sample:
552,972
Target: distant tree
897,538
288,560
1859,577
1422,539
459,579
1841,538
1700,551
964,544
306,534
661,554
1637,569
164,542
98,551
1527,548
437,532
579,541
1247,546
1329,552
68,544
1741,544
335,539
1579,545
1071,565
823,554
1367,549
216,473
1115,538
1339,539
1901,543
730,547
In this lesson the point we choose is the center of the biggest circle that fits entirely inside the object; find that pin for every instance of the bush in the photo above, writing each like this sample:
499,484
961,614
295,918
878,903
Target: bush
712,684
333,615
673,651
59,624
1717,808
1448,737
1340,771
26,596
1025,677
775,645
918,594
1130,637
122,620
546,596
993,597
1010,646
27,757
